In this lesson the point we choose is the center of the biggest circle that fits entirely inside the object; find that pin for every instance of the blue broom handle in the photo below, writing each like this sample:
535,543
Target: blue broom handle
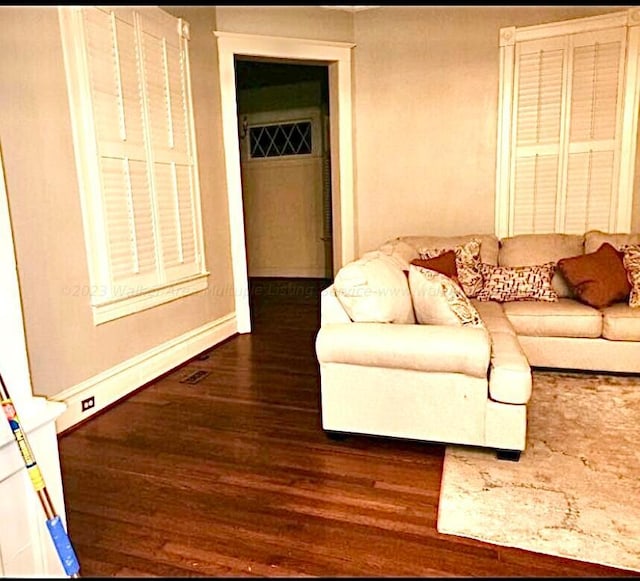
55,526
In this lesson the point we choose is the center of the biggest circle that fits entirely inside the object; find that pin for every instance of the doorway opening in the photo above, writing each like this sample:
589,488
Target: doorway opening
336,57
285,161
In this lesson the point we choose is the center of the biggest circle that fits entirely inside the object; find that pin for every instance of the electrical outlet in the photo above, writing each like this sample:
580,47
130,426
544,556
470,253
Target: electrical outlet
88,403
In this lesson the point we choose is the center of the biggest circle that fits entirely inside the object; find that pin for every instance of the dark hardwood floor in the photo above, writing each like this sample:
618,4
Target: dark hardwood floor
233,476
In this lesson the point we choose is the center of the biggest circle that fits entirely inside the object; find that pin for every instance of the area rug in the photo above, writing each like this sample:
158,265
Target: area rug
575,491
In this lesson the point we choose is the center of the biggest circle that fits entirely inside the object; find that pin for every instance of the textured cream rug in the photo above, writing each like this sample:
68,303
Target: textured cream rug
575,491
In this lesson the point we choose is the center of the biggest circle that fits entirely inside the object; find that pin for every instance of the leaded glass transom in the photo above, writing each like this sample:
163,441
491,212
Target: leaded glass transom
280,140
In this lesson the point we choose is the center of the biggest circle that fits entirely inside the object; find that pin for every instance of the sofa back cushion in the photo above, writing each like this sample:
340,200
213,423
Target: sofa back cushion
374,289
400,250
536,249
596,238
489,244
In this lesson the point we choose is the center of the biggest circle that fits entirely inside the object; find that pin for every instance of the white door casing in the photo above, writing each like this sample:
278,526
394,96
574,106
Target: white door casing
337,55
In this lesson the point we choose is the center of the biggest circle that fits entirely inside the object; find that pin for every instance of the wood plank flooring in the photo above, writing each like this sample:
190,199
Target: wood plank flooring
233,476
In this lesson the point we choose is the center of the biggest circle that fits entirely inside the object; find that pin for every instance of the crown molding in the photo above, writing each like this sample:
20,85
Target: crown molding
349,8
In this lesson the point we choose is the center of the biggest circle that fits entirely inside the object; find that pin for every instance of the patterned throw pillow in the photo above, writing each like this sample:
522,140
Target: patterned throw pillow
467,264
518,283
631,261
437,300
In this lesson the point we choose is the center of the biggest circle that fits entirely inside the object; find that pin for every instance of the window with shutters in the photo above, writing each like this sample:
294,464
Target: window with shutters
568,125
130,101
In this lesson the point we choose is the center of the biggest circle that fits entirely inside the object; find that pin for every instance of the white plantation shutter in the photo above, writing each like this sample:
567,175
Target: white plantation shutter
118,111
129,220
172,161
538,122
167,96
536,184
594,136
565,90
128,77
590,189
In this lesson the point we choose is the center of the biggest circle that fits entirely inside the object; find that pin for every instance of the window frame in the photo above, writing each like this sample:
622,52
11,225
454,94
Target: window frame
263,126
282,117
621,203
107,300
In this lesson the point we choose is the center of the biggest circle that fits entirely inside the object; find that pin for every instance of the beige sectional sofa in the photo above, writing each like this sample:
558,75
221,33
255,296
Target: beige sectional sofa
384,374
569,334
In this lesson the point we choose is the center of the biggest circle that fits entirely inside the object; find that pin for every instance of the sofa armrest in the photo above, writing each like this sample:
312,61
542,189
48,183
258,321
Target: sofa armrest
331,309
435,348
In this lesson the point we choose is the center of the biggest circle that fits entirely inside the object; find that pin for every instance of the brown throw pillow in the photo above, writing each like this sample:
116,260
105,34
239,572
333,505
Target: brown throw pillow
445,264
598,278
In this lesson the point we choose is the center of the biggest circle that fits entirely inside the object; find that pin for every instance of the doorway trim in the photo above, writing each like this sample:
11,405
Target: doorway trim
337,55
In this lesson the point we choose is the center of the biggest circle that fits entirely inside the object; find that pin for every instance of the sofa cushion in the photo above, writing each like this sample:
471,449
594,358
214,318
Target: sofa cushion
620,322
467,264
493,316
445,263
598,278
510,375
438,300
517,283
400,250
564,318
374,289
528,249
631,262
489,244
593,239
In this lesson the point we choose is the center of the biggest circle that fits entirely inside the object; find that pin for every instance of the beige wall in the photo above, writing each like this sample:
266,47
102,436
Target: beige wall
308,22
635,212
426,95
425,83
63,344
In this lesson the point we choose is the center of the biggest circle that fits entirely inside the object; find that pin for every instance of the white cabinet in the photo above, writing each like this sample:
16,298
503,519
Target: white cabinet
26,548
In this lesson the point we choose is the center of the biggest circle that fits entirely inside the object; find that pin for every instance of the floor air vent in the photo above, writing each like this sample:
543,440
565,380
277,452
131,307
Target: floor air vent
195,376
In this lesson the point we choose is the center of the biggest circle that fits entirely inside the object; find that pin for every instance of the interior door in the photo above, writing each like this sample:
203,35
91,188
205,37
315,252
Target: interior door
284,200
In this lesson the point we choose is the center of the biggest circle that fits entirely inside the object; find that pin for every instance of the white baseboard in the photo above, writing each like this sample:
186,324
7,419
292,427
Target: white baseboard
287,272
114,383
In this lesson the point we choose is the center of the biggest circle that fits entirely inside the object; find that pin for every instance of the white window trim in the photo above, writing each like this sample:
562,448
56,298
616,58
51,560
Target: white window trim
140,300
107,308
508,38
